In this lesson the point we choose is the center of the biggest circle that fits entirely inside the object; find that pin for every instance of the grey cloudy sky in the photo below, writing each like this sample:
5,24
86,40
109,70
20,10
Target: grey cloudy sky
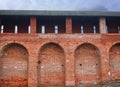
96,5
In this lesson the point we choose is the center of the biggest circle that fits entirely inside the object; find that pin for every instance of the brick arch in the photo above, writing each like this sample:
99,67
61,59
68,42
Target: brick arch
50,42
14,65
51,69
114,59
2,47
87,64
111,45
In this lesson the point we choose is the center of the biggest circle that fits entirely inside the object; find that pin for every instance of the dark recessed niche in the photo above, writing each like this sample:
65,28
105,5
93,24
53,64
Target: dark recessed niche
80,64
39,62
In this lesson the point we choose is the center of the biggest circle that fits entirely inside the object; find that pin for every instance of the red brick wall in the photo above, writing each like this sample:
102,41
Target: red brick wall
87,62
115,62
13,66
33,25
68,25
53,53
51,65
58,59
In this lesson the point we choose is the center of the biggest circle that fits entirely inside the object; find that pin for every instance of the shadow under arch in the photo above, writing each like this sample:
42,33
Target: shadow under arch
114,61
51,43
87,64
11,44
51,65
14,65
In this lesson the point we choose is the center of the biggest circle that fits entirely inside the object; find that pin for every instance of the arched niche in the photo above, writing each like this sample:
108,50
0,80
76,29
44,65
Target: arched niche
51,69
87,64
114,58
14,66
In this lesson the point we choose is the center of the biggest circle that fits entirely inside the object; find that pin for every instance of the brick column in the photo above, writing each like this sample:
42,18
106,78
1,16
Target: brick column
105,67
33,25
32,66
102,24
69,69
68,25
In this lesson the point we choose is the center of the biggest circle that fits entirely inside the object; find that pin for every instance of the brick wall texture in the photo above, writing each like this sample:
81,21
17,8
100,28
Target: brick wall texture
62,60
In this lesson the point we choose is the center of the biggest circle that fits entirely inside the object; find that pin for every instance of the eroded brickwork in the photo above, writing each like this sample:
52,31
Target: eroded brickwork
67,58
51,69
13,66
87,63
115,62
58,51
